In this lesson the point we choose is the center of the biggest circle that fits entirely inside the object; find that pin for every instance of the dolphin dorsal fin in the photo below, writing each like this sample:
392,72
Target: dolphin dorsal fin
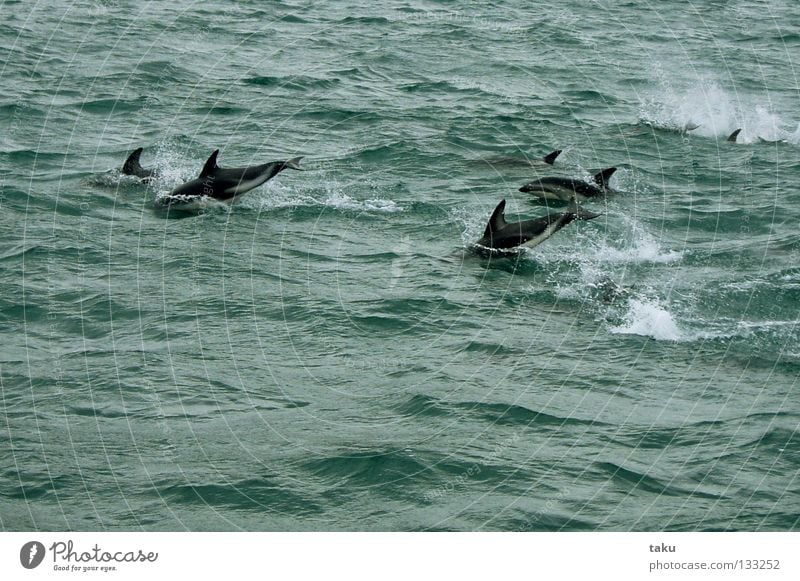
734,135
602,177
497,221
551,157
132,163
211,165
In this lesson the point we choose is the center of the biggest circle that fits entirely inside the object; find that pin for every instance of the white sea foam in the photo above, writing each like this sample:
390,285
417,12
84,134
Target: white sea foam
173,166
649,318
750,326
637,246
473,223
276,196
342,201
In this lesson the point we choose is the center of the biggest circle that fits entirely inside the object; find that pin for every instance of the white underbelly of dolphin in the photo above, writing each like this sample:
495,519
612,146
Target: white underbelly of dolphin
245,186
547,233
559,193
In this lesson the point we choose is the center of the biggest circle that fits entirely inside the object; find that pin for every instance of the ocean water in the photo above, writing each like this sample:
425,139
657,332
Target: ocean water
328,353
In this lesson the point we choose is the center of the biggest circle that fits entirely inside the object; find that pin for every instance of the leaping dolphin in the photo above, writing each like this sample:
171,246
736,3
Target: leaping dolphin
132,167
565,189
502,235
226,184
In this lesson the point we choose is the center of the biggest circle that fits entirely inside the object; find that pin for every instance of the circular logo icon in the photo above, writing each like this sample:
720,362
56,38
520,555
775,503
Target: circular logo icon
31,554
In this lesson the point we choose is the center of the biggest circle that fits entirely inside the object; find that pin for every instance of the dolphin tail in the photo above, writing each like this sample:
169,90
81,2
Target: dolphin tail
294,163
604,176
580,213
732,137
586,214
551,157
132,166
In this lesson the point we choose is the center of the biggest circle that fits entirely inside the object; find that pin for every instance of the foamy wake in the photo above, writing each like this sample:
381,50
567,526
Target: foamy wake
635,246
342,201
276,196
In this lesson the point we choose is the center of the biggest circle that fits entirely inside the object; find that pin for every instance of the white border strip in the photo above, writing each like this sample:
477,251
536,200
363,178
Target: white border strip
378,556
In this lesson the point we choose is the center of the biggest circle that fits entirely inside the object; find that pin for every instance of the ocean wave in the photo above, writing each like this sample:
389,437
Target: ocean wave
494,413
636,481
263,494
292,82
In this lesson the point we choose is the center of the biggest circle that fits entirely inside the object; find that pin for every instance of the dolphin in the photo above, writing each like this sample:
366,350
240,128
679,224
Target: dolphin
226,184
132,167
565,189
732,137
502,235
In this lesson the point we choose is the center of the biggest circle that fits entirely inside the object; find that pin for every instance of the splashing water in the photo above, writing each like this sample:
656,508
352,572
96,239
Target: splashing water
649,319
709,110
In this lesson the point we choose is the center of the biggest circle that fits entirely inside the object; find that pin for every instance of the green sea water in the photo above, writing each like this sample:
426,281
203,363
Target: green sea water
328,353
